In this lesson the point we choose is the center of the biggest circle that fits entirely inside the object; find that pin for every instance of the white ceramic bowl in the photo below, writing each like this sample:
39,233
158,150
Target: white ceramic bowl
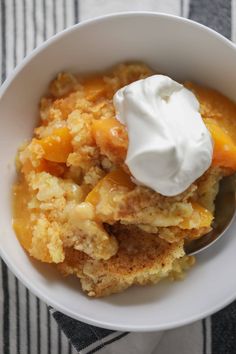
177,47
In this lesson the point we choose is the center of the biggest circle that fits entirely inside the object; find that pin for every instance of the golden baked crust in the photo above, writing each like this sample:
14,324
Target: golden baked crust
141,259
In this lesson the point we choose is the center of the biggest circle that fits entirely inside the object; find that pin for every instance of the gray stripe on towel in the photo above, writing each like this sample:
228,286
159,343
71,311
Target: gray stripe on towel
212,13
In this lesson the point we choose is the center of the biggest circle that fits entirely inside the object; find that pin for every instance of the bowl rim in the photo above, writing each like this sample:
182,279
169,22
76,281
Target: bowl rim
16,271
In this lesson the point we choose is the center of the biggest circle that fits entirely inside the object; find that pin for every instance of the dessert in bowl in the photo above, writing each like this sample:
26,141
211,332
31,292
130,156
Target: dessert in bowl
120,173
116,244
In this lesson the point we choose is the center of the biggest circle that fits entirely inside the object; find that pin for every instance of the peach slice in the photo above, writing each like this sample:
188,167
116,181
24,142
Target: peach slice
21,212
224,153
57,146
111,137
218,113
53,168
206,218
115,179
94,88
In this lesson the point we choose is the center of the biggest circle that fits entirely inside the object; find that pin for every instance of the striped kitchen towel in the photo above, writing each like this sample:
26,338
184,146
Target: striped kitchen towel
27,325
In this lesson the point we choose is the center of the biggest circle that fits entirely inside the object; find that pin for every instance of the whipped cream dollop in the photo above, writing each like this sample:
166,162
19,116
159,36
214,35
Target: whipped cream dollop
169,144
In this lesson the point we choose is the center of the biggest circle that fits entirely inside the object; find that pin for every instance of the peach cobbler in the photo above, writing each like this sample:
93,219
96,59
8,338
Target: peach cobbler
77,204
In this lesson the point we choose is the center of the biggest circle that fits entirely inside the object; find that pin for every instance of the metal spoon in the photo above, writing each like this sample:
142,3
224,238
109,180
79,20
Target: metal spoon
225,205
